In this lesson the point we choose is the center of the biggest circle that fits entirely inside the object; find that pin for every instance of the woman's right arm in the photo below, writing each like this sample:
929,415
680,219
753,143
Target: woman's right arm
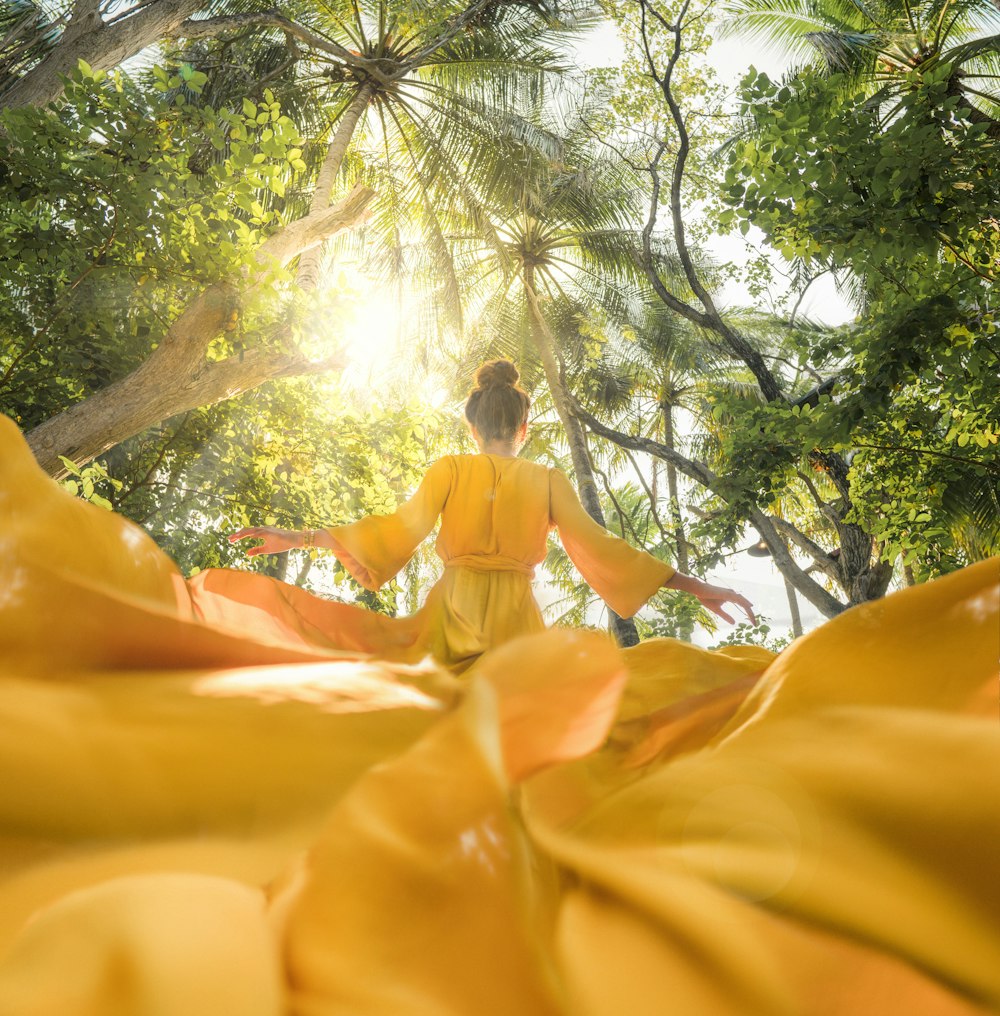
374,548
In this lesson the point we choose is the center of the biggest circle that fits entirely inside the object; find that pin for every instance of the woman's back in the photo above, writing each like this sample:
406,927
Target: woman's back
496,513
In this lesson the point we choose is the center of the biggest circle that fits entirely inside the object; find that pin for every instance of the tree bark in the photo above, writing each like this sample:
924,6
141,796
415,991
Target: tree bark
858,575
176,376
861,578
793,608
827,604
623,629
101,44
686,629
672,490
309,264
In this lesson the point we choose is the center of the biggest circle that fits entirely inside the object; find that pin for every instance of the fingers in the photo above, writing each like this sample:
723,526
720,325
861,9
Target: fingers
741,601
747,607
722,614
251,533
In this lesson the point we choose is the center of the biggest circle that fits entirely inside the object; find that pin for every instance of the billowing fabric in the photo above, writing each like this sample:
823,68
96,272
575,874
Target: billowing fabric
496,514
197,821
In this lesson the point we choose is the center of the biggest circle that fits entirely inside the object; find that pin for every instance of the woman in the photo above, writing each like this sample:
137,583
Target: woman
496,511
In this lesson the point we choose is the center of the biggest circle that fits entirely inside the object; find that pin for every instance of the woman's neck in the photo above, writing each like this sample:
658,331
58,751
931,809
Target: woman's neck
505,449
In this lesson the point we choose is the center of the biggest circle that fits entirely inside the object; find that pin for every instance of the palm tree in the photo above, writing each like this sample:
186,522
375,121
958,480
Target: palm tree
427,85
880,42
558,242
418,94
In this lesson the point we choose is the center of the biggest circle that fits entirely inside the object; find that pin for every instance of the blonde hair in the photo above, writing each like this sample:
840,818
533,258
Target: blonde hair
497,406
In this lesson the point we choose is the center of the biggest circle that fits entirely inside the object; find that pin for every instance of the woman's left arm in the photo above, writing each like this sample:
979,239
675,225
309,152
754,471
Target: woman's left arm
711,597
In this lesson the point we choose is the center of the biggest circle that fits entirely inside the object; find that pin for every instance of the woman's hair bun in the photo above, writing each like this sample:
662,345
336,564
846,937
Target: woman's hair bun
496,373
497,407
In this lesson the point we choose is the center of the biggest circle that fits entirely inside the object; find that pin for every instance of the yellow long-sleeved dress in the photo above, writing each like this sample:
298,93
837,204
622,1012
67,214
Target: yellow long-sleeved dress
200,819
496,514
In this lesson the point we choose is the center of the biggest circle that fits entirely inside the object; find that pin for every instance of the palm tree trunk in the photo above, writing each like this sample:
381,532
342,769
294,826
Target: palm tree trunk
623,628
308,273
686,628
672,490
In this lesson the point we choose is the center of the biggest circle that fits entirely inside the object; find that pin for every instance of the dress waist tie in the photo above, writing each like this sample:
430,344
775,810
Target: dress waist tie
490,563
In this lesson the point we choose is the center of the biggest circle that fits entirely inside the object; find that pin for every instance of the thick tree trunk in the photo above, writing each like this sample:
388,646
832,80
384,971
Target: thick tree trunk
623,629
103,46
176,376
860,577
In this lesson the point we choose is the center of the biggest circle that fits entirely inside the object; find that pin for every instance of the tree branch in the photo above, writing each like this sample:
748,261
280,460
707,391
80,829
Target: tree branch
821,557
652,500
312,230
824,601
711,318
201,28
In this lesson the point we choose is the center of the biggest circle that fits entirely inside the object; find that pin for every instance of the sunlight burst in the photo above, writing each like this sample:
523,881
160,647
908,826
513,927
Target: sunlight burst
361,323
370,336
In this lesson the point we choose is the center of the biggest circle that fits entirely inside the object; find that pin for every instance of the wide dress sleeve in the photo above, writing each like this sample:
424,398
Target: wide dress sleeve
374,548
625,578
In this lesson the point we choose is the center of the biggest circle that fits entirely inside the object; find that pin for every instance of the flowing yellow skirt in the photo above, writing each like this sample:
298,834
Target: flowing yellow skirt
206,816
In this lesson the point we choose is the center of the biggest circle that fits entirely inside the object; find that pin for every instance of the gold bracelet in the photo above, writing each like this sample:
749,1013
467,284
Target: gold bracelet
308,539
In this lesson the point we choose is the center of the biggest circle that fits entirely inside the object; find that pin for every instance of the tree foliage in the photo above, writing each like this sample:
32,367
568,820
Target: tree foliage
904,205
559,217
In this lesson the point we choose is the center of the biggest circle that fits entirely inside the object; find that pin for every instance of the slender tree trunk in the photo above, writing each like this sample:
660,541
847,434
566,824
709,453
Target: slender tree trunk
861,579
793,607
309,263
686,629
300,578
672,490
623,628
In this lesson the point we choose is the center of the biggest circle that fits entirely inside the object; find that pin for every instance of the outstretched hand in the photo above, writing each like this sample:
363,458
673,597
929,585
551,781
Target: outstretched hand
714,597
276,541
